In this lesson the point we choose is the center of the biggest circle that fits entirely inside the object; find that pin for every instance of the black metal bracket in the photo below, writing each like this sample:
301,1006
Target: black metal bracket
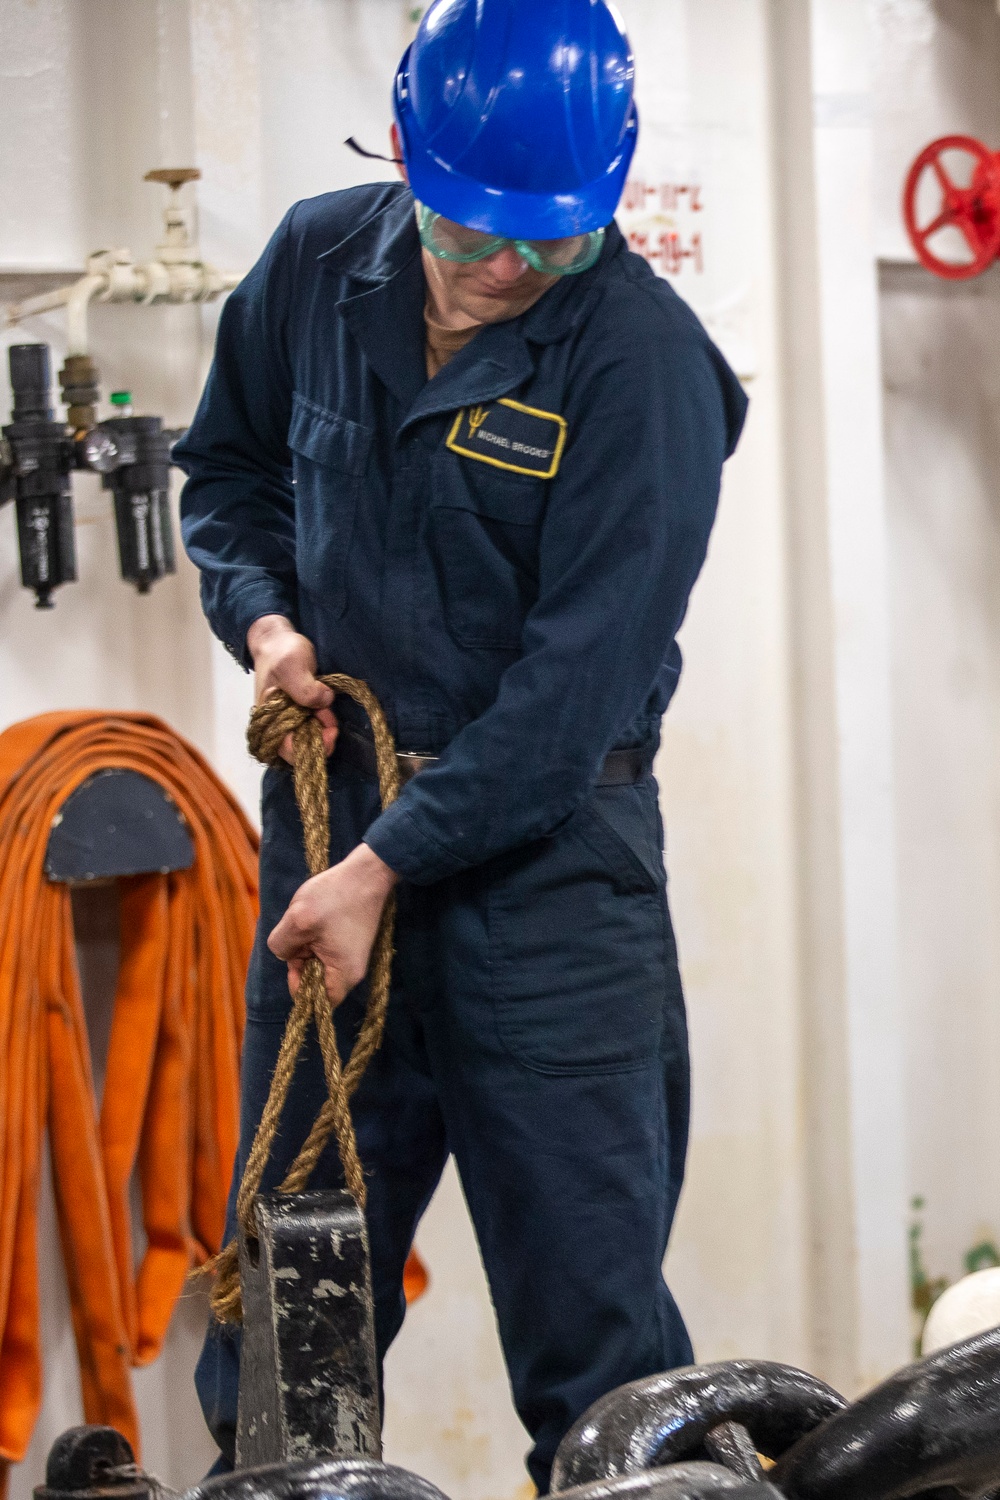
117,823
92,1463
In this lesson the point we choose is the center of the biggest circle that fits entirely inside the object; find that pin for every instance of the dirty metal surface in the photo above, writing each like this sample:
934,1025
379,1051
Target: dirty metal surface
361,1480
685,1481
732,1446
933,1425
327,1479
92,1463
308,1383
664,1418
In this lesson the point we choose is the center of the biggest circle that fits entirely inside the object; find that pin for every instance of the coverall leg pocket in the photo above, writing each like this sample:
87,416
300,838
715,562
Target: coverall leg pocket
578,936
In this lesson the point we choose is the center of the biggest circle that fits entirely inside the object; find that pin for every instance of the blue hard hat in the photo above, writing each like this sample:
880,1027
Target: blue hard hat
516,116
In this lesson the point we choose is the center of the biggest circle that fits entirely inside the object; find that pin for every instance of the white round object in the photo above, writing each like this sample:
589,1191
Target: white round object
969,1307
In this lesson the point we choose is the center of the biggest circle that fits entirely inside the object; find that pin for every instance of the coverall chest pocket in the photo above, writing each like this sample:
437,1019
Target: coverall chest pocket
329,457
484,530
581,949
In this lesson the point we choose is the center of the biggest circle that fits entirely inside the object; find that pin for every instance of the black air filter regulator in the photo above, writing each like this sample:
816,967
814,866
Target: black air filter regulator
37,460
132,455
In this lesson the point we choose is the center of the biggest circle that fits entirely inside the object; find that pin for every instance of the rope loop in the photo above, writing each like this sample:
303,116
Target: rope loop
271,720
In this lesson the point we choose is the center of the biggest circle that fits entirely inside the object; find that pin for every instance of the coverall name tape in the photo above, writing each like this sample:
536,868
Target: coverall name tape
511,436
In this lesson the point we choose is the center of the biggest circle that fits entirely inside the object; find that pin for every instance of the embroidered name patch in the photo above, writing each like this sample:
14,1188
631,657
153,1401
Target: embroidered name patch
510,436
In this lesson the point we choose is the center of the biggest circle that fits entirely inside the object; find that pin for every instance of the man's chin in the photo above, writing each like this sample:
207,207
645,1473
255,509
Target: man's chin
496,307
494,311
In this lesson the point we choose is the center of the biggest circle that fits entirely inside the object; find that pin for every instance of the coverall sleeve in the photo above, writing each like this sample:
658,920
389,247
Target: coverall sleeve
624,536
238,507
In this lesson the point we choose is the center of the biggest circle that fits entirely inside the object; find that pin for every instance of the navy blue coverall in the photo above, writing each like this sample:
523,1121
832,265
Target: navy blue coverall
504,553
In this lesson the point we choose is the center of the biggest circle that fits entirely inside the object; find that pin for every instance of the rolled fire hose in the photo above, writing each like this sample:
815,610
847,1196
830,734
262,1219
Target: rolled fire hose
170,1103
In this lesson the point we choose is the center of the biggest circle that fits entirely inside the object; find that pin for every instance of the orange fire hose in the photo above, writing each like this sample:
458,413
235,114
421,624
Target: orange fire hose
170,1104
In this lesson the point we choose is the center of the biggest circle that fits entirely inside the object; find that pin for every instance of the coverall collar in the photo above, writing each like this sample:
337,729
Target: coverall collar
386,314
386,317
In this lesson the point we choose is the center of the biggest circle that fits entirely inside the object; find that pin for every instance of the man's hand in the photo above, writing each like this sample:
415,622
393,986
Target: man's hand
284,659
335,917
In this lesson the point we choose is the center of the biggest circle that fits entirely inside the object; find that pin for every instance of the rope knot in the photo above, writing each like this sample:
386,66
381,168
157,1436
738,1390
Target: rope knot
270,721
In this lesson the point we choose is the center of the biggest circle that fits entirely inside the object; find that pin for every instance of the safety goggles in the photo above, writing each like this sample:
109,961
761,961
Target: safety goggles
449,241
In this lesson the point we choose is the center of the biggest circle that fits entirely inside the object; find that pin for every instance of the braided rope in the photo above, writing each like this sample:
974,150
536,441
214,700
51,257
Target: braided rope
270,722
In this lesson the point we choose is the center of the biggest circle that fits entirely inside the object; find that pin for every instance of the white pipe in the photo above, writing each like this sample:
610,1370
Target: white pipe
81,294
154,281
44,302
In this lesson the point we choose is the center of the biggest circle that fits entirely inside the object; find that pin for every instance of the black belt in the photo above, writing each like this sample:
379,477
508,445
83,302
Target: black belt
621,768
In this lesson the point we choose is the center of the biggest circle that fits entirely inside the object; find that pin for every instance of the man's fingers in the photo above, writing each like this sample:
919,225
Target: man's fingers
287,751
290,939
329,741
302,686
336,986
328,724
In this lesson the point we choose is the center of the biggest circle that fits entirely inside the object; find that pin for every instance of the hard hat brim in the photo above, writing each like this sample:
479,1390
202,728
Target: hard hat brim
502,211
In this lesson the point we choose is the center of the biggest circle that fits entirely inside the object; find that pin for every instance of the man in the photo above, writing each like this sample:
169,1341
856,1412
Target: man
460,443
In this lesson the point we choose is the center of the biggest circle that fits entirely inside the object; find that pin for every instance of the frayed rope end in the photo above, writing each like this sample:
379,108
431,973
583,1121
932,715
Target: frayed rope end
223,1270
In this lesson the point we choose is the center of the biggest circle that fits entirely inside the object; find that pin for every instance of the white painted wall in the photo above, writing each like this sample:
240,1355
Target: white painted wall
835,724
940,74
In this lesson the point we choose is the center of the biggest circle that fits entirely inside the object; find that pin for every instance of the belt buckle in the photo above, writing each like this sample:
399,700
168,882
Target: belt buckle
410,762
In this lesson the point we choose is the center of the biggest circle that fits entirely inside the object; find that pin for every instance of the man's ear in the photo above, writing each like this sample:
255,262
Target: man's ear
397,151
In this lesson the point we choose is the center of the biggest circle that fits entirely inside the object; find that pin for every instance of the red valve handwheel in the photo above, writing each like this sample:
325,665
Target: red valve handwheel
973,210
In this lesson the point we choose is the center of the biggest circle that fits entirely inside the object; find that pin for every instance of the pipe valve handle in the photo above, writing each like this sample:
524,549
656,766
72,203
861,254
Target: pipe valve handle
934,200
173,177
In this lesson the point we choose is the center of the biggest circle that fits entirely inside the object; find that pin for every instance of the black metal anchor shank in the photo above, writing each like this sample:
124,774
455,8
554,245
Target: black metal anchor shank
308,1381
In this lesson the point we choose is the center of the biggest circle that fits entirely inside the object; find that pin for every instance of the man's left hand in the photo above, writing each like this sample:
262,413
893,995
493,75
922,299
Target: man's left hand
334,917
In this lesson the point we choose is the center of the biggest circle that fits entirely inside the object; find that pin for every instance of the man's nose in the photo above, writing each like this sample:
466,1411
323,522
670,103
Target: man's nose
506,265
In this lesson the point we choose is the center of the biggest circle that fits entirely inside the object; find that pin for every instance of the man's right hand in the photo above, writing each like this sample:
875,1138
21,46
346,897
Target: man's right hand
284,659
